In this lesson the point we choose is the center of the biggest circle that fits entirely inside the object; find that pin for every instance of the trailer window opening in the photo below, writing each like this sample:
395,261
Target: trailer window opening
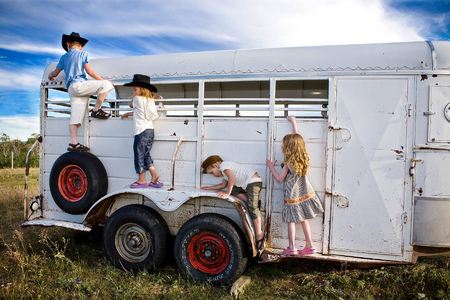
302,89
249,99
177,99
302,98
57,104
237,89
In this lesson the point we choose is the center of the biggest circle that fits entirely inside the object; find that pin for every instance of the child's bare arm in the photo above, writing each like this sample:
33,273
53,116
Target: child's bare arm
126,115
91,72
53,74
292,120
218,186
279,176
230,184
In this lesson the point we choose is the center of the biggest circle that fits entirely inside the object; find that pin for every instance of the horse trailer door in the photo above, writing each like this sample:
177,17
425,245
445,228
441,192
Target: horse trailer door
369,167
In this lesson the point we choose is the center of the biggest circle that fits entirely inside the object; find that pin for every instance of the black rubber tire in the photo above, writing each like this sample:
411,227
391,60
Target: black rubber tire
96,178
147,221
227,235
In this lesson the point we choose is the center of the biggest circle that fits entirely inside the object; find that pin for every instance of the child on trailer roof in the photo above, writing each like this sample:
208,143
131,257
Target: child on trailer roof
300,200
144,113
242,182
75,64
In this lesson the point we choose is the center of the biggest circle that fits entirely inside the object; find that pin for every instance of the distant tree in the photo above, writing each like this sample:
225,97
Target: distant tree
5,148
4,137
20,150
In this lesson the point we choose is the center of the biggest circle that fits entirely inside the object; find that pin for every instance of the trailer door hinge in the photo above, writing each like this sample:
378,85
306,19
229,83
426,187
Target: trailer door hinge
410,110
428,113
405,218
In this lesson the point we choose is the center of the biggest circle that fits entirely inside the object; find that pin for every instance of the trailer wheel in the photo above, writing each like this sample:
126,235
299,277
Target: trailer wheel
135,239
77,180
210,249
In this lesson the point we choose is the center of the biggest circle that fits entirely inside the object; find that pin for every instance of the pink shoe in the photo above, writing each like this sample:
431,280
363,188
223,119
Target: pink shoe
137,185
307,251
290,252
156,185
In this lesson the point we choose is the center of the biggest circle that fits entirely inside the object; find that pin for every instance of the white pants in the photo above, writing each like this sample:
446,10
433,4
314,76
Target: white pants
80,92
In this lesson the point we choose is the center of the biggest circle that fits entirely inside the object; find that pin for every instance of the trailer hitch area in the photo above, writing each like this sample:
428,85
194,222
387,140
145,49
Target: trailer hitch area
26,208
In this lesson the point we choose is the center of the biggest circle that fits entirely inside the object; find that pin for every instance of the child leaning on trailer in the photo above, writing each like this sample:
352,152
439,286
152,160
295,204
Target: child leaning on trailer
241,182
300,200
75,64
144,113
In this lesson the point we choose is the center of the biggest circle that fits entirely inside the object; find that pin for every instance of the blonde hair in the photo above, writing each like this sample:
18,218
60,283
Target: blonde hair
147,93
74,43
295,154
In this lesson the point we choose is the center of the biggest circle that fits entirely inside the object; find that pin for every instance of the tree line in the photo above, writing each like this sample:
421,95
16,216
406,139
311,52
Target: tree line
18,150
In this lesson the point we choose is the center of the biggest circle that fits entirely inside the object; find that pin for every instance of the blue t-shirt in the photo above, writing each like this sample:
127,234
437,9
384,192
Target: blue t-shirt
73,65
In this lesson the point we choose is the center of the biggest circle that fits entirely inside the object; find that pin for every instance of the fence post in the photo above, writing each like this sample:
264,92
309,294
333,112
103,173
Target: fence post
12,159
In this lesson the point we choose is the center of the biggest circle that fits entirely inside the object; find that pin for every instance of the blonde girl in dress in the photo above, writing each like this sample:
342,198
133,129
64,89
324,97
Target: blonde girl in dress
301,202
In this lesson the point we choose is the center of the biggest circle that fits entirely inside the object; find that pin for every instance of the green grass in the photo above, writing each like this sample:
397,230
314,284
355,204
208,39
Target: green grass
63,264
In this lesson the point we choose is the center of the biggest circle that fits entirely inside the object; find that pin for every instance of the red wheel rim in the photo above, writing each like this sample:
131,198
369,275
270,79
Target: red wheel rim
72,183
208,253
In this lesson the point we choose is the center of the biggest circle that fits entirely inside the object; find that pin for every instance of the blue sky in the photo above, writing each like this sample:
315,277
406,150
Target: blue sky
30,33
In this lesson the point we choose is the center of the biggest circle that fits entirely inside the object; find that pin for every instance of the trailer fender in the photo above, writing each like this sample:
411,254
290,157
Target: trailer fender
169,200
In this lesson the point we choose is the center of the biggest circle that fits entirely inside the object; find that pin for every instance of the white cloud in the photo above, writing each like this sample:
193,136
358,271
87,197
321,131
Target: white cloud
21,79
172,26
19,127
31,48
225,23
259,23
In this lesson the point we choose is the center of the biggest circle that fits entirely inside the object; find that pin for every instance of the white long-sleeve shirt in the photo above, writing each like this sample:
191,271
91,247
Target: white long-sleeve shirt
144,112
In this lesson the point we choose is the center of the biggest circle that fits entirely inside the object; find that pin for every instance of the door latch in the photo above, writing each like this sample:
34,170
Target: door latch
412,165
345,137
340,200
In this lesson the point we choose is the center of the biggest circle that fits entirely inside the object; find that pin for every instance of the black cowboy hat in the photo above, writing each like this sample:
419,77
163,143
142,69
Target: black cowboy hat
74,36
143,81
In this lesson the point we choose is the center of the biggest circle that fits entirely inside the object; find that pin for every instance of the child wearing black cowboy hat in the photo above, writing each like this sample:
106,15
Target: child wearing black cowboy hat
75,64
144,113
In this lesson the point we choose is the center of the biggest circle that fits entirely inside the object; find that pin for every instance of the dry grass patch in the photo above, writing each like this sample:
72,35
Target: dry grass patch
57,263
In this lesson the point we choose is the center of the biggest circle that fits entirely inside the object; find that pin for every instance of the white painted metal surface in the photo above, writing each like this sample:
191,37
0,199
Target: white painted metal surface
370,166
398,57
431,164
431,221
438,124
358,107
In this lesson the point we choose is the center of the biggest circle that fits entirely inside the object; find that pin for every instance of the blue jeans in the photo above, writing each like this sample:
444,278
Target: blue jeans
141,147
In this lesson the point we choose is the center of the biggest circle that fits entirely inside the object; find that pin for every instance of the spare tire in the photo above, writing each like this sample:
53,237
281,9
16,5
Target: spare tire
77,180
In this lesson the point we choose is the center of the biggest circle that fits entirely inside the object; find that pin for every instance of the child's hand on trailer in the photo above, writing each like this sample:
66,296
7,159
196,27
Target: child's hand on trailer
223,195
126,115
270,163
291,119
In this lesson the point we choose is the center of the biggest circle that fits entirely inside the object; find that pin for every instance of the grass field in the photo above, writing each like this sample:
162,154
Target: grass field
63,264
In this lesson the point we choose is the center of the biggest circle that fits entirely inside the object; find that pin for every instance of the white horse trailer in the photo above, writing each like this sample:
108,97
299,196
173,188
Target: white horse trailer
375,118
